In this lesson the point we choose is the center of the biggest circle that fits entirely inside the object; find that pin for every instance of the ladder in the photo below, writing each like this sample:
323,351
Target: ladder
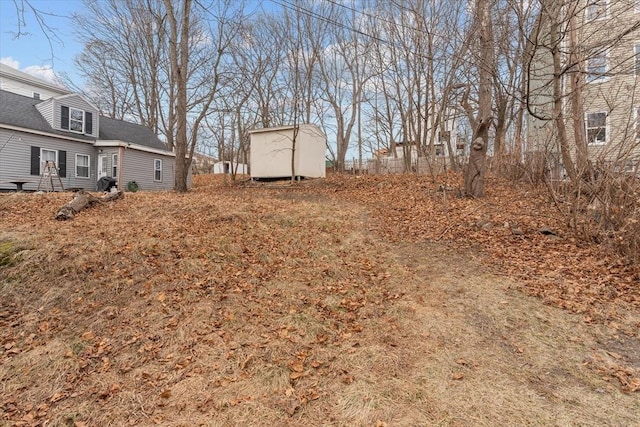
46,179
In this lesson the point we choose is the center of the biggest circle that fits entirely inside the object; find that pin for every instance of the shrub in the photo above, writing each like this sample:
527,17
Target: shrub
132,186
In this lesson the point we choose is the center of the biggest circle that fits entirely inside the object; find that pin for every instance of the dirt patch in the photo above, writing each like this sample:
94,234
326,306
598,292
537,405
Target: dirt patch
504,358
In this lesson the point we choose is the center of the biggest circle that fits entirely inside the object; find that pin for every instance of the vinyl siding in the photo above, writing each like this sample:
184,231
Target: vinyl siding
15,160
27,89
46,109
614,95
74,102
138,166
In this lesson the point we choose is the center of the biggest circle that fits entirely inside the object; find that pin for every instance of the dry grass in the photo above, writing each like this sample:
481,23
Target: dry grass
256,306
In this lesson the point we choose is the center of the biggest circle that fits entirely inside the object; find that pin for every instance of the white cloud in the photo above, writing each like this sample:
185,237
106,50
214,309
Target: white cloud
7,60
42,72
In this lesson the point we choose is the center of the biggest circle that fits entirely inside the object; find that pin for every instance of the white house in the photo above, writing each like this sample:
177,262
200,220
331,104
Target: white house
272,148
42,125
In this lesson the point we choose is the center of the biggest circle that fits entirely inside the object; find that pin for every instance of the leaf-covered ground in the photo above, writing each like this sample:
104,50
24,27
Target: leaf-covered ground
349,301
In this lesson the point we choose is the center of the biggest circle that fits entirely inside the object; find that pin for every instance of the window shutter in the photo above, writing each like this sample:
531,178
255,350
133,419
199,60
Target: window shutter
35,160
88,123
64,121
62,163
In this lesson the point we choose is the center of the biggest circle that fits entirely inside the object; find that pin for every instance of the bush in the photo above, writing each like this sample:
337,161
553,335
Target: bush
132,186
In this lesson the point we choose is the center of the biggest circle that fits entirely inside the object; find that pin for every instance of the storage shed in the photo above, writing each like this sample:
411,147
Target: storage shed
271,149
227,167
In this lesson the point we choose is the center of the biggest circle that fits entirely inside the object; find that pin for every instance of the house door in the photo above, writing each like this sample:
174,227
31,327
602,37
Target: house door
103,167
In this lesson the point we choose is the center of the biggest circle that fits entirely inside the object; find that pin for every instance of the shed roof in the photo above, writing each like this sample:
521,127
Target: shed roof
286,127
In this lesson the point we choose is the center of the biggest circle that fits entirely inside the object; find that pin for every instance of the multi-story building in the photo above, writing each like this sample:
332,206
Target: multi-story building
594,82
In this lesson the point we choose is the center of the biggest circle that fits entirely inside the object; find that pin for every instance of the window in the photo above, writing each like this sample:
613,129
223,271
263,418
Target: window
157,170
39,157
36,95
597,67
596,9
596,128
48,158
630,166
76,120
114,166
637,59
82,166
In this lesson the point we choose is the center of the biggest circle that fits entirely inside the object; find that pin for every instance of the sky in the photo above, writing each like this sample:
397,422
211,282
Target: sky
31,51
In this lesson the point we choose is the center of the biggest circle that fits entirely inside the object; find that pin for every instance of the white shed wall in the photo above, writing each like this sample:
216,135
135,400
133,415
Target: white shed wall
270,154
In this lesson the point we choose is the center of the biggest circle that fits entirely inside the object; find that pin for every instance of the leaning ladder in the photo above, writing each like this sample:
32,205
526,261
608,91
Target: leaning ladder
46,179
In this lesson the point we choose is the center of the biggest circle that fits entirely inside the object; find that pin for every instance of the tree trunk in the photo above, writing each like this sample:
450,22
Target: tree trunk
81,200
558,107
179,60
577,104
474,178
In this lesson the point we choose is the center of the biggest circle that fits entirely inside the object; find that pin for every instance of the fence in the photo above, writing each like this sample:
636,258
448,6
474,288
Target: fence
420,165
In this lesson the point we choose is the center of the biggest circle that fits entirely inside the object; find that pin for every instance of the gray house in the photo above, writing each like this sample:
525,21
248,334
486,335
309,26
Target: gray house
43,125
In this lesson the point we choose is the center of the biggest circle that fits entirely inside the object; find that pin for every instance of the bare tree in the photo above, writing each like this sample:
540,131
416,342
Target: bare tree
481,121
124,59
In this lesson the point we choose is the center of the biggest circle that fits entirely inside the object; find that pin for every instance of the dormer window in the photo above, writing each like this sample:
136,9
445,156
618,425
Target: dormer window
76,120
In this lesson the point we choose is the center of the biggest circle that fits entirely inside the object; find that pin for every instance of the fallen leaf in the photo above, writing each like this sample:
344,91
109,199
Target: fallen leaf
297,366
295,375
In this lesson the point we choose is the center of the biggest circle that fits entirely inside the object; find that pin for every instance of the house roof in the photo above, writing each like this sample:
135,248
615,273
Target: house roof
21,76
112,129
20,111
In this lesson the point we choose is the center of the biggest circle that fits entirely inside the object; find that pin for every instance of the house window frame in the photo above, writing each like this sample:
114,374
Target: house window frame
597,76
157,171
597,142
76,120
42,162
114,165
597,16
88,167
